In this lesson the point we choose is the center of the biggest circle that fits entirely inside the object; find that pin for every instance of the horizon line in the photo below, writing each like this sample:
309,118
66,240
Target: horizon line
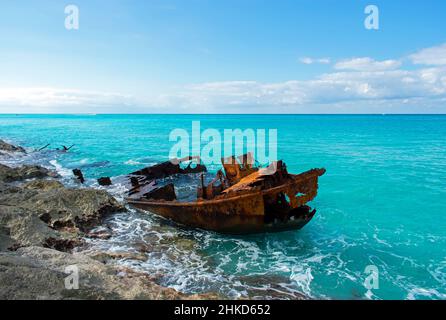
223,114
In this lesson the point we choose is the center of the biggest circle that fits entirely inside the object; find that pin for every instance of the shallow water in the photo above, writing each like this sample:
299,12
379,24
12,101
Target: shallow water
382,202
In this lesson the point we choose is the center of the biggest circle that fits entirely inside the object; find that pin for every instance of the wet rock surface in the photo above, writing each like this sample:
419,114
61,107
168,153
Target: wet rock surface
4,146
42,223
8,174
60,208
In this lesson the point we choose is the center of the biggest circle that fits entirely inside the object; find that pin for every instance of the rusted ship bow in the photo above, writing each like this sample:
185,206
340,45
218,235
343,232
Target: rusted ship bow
241,199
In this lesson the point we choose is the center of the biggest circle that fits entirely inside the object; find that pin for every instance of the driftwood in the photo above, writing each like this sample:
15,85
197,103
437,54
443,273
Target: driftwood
44,147
66,149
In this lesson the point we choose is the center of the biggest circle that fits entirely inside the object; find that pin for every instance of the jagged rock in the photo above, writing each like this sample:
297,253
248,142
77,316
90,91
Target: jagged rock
45,213
4,146
23,228
127,255
39,273
104,181
103,233
30,230
119,255
8,174
6,241
80,208
62,208
43,185
40,219
79,175
61,244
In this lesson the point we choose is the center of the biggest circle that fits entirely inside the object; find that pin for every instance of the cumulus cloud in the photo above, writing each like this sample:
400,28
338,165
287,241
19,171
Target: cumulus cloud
308,60
367,64
331,88
435,56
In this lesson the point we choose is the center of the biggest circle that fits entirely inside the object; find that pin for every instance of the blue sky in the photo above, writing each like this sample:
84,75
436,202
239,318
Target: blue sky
217,56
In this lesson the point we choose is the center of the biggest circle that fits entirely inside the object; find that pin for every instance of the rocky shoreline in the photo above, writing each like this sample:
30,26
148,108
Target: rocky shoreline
41,222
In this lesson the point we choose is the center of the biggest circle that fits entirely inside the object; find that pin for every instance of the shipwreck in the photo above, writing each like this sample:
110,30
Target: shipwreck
241,198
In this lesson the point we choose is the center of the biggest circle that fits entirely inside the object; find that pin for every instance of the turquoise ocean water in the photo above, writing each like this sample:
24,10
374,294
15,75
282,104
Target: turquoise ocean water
382,202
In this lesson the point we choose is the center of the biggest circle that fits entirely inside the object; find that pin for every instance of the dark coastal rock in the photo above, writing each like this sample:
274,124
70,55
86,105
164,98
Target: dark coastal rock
29,230
63,244
42,221
103,233
21,228
105,181
5,240
106,256
4,146
39,273
62,208
78,208
45,213
79,175
8,174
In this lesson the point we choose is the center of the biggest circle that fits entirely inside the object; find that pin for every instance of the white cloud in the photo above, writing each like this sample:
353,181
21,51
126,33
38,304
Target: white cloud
331,88
47,99
367,64
434,56
381,86
346,91
308,60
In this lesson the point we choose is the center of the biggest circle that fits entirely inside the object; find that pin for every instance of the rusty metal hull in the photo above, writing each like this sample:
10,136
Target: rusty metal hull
247,200
241,214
